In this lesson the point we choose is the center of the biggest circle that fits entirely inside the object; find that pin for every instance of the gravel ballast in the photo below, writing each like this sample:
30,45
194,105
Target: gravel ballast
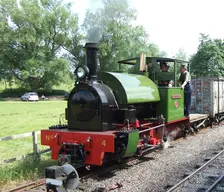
165,167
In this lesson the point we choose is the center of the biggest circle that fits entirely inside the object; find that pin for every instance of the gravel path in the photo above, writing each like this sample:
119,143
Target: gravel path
165,167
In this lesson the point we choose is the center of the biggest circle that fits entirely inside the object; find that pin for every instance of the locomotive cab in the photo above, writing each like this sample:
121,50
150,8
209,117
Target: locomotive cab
150,67
171,104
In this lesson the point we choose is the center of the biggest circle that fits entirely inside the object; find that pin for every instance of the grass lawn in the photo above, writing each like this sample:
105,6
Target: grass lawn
21,172
17,117
20,117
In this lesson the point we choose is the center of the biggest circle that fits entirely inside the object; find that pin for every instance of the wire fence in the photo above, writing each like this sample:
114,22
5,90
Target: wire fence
36,151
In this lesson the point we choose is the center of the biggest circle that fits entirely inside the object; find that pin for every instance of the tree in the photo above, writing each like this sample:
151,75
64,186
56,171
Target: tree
208,61
181,55
33,35
112,27
163,54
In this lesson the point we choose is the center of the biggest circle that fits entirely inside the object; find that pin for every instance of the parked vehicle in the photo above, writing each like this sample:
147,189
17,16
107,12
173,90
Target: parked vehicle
30,96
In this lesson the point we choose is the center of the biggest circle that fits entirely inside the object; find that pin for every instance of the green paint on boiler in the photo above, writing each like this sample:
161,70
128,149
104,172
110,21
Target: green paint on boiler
131,88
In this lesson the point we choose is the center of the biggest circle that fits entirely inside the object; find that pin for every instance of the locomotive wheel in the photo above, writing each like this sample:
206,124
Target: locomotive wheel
119,151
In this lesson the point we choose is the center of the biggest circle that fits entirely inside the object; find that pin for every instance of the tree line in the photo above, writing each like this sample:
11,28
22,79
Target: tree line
209,58
41,41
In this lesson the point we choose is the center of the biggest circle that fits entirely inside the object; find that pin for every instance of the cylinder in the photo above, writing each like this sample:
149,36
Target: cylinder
92,60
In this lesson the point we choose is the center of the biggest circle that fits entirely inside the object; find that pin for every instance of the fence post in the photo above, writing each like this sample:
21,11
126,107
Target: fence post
35,153
35,148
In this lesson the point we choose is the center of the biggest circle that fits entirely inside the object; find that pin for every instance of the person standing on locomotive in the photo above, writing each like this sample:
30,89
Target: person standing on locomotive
185,80
164,67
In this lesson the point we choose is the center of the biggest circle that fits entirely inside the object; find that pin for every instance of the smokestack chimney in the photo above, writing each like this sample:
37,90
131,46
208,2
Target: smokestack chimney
92,59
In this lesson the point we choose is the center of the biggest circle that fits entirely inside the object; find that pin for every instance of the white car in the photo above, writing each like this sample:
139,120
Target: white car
31,96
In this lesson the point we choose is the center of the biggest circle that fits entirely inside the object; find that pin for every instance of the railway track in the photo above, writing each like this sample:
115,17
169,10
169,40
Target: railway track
207,177
84,175
29,186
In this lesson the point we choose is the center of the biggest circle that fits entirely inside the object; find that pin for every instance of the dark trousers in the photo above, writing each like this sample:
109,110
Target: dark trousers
187,99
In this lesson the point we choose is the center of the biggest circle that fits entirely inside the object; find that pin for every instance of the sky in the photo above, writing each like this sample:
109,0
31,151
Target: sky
172,24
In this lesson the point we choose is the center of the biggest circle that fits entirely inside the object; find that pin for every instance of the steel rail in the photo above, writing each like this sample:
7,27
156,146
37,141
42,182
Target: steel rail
195,172
215,184
29,185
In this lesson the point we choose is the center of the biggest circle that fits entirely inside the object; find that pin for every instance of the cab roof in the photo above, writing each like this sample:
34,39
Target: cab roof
133,61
